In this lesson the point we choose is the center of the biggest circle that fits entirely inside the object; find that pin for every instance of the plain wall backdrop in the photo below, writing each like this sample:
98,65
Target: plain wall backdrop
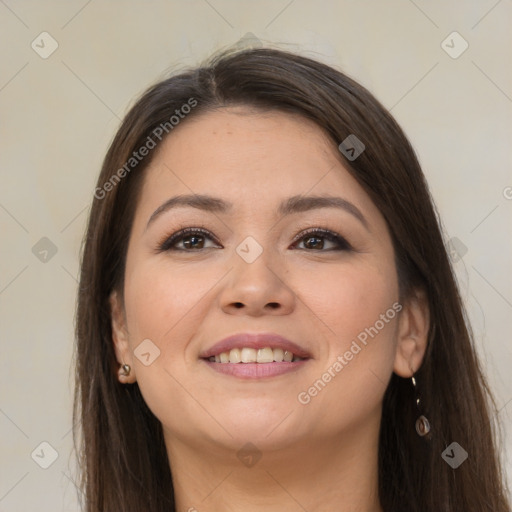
70,70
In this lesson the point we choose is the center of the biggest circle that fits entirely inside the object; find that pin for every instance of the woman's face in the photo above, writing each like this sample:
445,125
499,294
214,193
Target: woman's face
257,266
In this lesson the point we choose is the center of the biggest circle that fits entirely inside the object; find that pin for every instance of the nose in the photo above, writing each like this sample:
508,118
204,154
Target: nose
256,289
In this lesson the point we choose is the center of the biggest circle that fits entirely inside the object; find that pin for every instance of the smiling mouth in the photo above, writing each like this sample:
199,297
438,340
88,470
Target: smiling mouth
265,355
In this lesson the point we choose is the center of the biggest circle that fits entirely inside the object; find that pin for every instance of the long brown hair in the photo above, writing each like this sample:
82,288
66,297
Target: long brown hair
119,442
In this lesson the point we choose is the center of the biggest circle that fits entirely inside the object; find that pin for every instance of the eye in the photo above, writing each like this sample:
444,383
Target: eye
191,238
314,239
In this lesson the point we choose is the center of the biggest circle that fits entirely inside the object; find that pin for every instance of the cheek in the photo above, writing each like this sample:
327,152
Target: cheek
345,300
359,306
160,298
167,306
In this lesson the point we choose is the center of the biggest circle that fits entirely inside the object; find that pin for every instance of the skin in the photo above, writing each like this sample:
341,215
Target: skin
319,456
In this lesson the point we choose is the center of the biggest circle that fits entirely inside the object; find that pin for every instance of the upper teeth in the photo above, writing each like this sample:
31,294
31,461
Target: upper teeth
252,355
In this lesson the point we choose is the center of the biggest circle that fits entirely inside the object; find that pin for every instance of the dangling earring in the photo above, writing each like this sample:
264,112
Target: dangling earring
422,423
125,370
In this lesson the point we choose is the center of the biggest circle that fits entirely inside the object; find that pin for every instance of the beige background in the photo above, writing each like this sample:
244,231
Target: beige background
59,114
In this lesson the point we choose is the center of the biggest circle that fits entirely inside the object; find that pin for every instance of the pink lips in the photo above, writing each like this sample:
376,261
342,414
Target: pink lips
255,370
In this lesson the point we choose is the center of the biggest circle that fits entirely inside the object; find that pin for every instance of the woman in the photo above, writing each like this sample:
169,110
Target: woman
267,317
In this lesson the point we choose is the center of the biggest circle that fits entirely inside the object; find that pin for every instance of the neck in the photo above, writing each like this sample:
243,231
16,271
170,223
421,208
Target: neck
338,473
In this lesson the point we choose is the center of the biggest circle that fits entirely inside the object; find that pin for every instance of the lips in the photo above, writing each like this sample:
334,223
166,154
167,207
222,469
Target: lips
255,341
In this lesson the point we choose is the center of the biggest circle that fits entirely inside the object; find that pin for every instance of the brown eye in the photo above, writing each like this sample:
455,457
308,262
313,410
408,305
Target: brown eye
315,240
192,239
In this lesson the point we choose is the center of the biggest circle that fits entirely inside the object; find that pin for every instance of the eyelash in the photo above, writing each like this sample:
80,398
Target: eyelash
168,242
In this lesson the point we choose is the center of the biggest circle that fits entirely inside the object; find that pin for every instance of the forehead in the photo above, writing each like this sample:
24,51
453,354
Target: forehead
241,154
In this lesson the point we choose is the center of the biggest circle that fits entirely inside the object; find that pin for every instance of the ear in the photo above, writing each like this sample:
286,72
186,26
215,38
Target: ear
413,328
120,337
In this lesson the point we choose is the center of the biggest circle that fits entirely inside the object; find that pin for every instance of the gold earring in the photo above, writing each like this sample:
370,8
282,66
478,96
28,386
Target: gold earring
422,423
125,370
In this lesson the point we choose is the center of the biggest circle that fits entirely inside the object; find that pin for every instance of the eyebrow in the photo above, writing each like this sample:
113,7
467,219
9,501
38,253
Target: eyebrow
294,204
